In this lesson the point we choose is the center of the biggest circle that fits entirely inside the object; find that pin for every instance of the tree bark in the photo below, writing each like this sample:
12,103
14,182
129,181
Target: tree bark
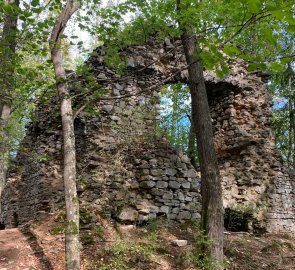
291,103
290,134
291,131
174,128
72,245
191,146
212,208
7,65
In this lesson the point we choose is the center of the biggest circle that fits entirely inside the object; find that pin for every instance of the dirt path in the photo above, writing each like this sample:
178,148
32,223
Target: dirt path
28,251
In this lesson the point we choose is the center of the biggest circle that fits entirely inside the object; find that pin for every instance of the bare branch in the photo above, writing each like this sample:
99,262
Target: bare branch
250,21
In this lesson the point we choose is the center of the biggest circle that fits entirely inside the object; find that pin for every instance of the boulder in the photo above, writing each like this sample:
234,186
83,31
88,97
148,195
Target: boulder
128,214
179,243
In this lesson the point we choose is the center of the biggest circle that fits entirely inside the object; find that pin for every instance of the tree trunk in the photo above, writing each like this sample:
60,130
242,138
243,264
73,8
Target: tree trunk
72,245
293,135
174,124
4,149
292,120
191,146
7,58
212,208
290,134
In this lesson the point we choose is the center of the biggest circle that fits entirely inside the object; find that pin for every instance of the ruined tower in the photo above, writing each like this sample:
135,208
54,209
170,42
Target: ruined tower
128,172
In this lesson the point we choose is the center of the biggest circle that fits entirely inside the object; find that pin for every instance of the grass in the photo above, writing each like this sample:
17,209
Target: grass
124,254
148,247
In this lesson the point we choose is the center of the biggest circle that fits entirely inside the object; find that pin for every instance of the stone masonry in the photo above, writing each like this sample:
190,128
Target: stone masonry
125,170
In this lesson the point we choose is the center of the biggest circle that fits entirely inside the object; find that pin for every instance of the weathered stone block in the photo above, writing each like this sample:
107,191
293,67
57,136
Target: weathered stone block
190,173
170,171
128,214
162,184
186,185
164,209
147,184
184,215
174,184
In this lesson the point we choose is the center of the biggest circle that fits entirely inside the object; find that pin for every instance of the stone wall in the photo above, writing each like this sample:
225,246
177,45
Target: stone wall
127,171
253,177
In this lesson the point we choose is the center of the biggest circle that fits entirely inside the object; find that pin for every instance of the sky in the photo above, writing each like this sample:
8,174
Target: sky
84,36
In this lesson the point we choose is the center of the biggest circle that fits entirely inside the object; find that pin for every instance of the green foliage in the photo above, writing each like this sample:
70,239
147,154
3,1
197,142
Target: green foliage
281,88
126,255
31,74
98,230
277,247
198,256
42,157
58,230
175,113
246,29
72,228
85,216
61,217
92,234
256,31
87,238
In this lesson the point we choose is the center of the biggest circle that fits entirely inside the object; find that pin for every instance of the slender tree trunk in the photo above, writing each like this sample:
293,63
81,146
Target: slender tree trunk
72,244
4,152
292,120
7,64
290,134
293,136
212,208
174,126
191,146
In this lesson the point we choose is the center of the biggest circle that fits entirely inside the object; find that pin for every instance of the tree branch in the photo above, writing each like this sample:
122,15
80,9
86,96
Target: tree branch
251,20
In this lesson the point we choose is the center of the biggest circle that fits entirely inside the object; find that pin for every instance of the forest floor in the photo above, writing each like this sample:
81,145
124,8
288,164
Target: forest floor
109,246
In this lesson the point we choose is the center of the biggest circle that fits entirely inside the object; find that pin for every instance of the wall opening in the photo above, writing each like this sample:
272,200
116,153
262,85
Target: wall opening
237,220
175,123
2,225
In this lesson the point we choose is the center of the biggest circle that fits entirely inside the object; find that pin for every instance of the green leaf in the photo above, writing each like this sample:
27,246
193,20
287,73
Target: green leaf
35,3
219,74
256,66
253,5
271,6
231,50
277,67
225,70
208,60
278,14
269,36
253,66
285,60
290,28
8,9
